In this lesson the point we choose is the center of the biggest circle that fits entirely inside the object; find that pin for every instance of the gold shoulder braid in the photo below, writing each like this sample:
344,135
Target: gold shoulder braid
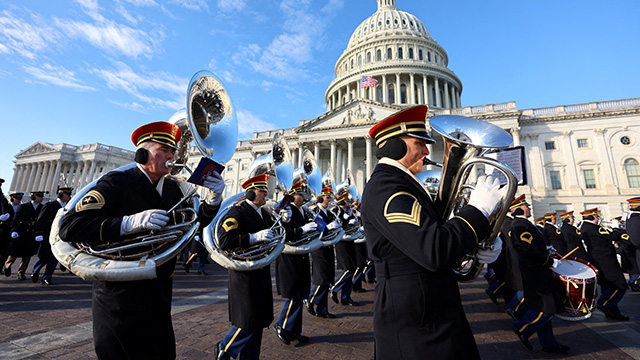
92,201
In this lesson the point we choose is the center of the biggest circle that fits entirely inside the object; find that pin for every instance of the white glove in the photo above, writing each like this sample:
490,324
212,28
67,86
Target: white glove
285,215
309,226
361,228
352,221
491,254
213,181
346,216
333,225
4,217
145,220
260,236
14,235
614,223
556,262
487,194
39,238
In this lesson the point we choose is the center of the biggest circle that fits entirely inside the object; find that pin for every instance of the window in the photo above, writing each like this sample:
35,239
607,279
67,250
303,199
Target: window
379,93
420,55
429,56
399,53
589,178
244,166
378,55
389,54
368,57
227,189
403,94
583,143
352,63
633,172
392,94
230,167
410,53
359,60
550,145
556,184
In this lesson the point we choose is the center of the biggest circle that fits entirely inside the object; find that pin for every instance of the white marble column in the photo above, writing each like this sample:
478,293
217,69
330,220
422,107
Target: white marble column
425,86
385,90
47,178
436,86
316,153
397,90
447,100
609,177
300,153
573,185
28,180
339,162
340,97
56,175
92,171
368,155
350,154
412,84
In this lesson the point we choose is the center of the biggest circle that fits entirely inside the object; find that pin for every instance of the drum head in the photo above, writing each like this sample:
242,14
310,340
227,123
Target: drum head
575,268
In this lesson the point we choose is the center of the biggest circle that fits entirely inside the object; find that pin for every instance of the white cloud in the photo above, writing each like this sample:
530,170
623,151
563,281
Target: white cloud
56,75
24,37
112,37
230,5
91,8
142,2
249,123
192,4
140,86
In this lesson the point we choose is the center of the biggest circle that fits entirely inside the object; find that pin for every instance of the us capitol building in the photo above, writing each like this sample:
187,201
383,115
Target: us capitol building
576,157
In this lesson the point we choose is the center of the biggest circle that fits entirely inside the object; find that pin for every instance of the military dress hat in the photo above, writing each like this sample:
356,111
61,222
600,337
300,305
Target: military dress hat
634,203
539,220
326,191
16,195
67,190
257,182
411,121
160,131
39,193
520,200
549,215
568,214
589,212
296,188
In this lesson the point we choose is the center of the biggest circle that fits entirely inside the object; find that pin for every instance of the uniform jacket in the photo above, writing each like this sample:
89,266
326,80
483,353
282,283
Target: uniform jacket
599,243
633,229
553,236
417,307
346,250
250,293
293,276
513,276
573,238
24,223
323,259
5,226
540,292
627,252
43,227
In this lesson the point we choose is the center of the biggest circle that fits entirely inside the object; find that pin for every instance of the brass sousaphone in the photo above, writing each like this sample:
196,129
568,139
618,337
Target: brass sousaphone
210,113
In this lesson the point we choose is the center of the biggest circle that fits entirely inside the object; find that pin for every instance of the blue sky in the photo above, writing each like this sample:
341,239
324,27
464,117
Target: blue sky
88,71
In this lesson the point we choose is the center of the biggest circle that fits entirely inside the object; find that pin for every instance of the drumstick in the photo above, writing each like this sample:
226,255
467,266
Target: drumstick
569,253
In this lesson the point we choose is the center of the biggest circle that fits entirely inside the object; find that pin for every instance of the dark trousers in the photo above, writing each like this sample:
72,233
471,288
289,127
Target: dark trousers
243,342
610,298
291,316
48,264
24,263
319,296
344,284
537,322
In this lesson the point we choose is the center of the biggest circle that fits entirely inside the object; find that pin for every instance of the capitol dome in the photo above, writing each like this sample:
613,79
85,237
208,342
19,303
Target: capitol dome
394,51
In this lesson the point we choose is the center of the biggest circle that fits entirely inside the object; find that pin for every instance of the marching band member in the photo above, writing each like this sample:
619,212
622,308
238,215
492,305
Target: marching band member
293,277
539,223
541,297
417,307
600,247
633,229
515,308
43,229
361,259
323,263
7,213
627,252
23,234
552,235
346,256
250,294
572,236
132,319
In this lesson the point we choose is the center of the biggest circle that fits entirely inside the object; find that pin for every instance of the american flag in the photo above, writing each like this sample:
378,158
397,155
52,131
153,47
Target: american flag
368,81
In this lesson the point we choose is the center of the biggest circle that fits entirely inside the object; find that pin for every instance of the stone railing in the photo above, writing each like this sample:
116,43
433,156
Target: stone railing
594,106
481,109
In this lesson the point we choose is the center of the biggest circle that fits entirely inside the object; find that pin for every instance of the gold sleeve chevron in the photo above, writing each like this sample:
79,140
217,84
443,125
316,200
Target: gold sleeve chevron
625,236
603,231
526,237
230,224
92,201
409,214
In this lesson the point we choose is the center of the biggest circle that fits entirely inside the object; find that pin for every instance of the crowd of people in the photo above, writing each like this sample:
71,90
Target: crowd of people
409,253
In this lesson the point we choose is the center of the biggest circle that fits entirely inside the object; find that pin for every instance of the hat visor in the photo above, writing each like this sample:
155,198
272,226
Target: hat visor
421,135
164,143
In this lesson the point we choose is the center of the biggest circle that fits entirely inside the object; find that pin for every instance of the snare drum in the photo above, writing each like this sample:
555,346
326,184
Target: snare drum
577,282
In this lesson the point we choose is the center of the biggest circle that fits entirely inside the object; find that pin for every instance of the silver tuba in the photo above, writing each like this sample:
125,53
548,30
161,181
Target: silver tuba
352,232
331,237
277,164
309,175
137,258
465,141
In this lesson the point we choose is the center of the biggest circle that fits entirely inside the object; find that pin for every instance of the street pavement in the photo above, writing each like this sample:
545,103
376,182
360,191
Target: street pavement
54,322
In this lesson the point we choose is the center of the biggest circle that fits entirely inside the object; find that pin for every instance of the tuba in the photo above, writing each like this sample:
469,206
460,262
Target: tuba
309,175
331,237
352,232
465,141
137,258
277,164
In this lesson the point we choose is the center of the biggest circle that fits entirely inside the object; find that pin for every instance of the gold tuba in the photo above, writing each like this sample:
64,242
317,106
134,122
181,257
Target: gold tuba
465,141
137,258
277,164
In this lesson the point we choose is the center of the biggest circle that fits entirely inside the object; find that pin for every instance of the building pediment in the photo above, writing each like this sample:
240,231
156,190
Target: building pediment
355,113
37,148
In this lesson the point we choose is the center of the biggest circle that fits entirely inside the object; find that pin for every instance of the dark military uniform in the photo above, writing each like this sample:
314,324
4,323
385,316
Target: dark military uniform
346,260
633,229
250,294
43,228
25,245
5,228
323,270
553,237
573,239
131,319
417,307
628,257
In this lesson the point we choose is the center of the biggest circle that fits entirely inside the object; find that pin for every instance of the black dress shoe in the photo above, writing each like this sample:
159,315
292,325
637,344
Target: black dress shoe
349,302
46,282
309,307
325,315
35,277
334,297
282,334
556,349
301,338
6,271
63,268
371,281
607,312
187,268
616,316
511,313
222,355
634,287
492,296
21,276
525,342
202,273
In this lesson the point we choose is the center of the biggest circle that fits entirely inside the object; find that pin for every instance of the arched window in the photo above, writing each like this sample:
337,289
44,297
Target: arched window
403,94
392,94
379,93
429,56
633,172
433,96
389,54
410,53
368,57
378,55
399,53
359,60
420,55
352,63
